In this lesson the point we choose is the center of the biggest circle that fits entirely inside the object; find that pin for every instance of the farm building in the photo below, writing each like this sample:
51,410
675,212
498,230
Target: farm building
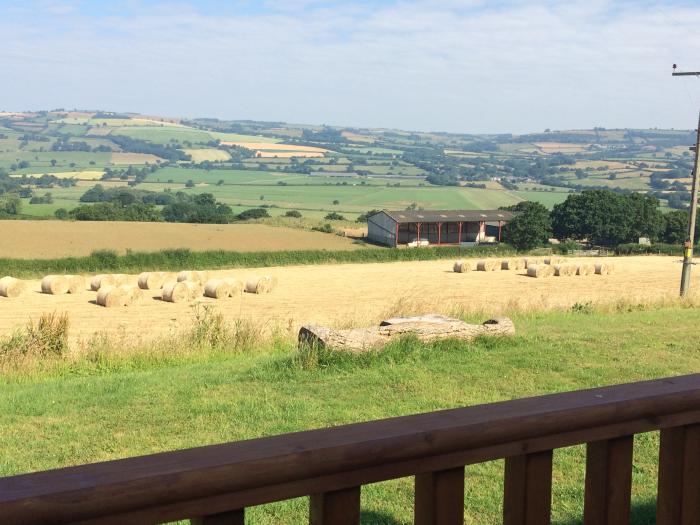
394,228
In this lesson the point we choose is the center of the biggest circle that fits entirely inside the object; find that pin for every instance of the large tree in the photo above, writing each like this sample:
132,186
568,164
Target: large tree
531,227
607,218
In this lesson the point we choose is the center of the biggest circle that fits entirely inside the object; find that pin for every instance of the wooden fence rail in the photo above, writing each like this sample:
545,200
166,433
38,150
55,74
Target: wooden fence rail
213,485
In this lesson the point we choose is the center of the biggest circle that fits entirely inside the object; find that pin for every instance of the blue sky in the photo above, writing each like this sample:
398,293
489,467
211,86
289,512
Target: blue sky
453,65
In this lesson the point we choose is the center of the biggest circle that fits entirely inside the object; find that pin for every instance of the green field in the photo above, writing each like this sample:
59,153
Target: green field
110,404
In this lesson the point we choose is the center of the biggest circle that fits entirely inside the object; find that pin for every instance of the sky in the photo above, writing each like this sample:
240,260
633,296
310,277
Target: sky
467,66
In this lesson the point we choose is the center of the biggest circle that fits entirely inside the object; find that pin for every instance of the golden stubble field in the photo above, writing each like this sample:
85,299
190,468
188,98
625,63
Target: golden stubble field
347,295
52,239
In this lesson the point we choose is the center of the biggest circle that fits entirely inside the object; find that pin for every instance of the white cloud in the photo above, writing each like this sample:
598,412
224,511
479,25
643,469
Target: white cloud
450,65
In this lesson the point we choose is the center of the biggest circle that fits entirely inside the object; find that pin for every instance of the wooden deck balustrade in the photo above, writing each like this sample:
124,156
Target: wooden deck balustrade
213,485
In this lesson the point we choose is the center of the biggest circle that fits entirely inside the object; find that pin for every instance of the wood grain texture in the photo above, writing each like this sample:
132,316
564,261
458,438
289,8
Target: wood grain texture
678,501
341,507
439,498
608,482
234,517
527,494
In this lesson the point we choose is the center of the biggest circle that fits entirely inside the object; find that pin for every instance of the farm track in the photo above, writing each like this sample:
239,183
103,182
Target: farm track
359,294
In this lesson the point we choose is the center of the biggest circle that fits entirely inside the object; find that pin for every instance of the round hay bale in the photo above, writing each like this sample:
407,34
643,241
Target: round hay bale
553,260
112,296
217,289
134,295
55,284
103,279
180,291
539,270
120,279
258,285
487,265
513,264
153,280
604,268
11,287
564,270
585,269
462,266
532,262
236,286
76,284
194,276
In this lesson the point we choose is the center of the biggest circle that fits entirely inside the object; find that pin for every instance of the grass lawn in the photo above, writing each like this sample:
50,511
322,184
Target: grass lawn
111,406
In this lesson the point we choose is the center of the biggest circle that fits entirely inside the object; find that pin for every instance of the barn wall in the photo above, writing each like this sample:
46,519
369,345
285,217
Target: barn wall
381,229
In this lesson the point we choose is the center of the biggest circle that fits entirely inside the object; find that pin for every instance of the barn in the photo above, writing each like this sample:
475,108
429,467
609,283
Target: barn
426,227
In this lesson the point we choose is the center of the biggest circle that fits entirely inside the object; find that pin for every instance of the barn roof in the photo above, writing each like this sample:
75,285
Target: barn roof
403,217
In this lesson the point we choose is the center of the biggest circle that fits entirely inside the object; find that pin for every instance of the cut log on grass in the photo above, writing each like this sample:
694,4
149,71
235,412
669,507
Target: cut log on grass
112,297
11,287
426,328
564,270
55,285
259,285
217,289
585,269
461,267
488,265
513,264
540,270
604,268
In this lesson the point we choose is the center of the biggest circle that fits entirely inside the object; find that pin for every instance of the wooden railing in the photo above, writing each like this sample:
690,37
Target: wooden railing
213,485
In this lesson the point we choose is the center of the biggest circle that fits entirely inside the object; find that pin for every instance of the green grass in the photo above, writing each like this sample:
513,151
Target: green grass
112,405
172,260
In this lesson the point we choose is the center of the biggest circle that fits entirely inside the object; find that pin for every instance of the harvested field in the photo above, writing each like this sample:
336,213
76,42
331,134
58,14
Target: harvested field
210,154
52,239
287,154
80,175
560,147
133,158
266,146
348,295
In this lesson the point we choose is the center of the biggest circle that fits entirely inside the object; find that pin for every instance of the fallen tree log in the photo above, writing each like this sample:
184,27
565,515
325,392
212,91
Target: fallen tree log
426,328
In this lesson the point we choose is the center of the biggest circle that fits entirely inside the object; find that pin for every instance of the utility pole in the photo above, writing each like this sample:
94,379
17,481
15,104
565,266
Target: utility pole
688,246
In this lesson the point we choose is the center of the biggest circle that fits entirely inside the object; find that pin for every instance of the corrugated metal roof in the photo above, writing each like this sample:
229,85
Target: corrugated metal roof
403,217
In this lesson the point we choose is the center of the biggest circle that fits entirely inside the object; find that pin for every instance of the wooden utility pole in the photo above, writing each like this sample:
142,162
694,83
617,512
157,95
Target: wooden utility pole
688,246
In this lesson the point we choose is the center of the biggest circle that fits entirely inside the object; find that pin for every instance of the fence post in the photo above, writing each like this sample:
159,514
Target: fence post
340,507
527,495
439,498
234,517
608,481
678,500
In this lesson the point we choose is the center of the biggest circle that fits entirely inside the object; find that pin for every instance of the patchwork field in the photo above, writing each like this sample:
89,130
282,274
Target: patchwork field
50,239
351,294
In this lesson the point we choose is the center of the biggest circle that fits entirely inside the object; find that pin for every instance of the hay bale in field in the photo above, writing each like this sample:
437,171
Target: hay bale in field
11,287
564,270
134,295
585,269
236,286
180,291
103,279
553,260
76,284
55,284
153,280
540,270
487,265
217,289
604,268
513,264
108,279
263,284
462,266
112,297
193,276
532,262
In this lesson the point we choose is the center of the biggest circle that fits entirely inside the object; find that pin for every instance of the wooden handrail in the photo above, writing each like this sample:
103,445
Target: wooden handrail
332,464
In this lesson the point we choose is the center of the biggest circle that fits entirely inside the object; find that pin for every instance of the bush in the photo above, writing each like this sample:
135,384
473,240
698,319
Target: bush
61,214
642,249
293,213
326,228
253,213
333,216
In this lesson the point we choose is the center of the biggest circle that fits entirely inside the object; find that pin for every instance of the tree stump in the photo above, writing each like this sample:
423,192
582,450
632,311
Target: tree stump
427,328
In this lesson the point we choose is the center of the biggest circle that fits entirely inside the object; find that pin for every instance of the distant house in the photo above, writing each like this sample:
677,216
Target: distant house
394,228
